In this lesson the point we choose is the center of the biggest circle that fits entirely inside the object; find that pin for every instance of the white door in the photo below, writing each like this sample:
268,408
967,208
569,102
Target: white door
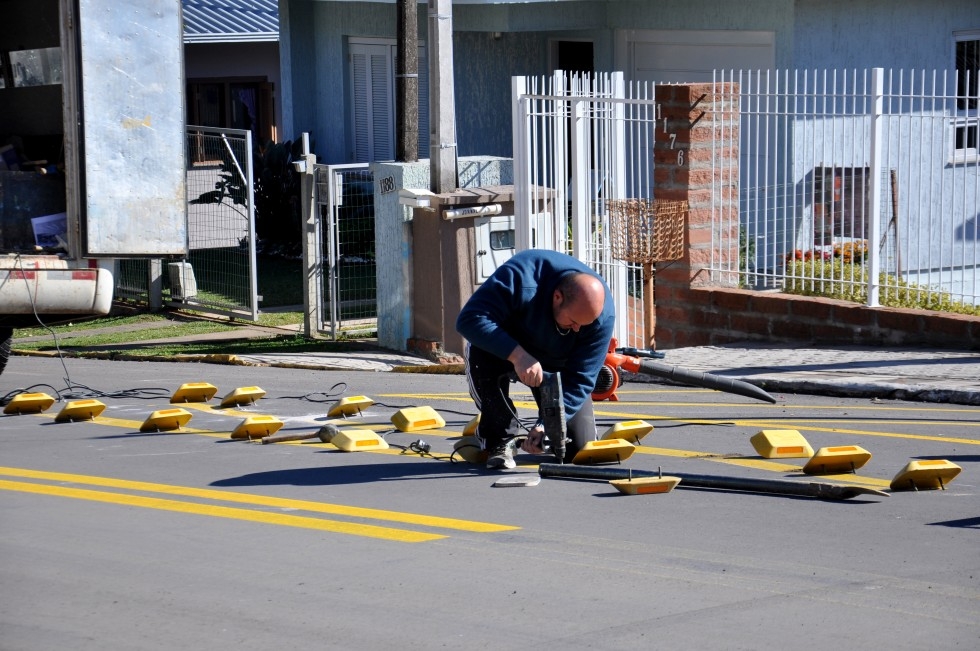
690,56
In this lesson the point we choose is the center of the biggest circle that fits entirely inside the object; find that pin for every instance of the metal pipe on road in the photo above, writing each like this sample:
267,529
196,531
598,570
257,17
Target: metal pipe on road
820,490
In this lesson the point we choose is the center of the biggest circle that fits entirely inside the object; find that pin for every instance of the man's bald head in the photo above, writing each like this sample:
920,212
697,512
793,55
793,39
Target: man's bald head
578,300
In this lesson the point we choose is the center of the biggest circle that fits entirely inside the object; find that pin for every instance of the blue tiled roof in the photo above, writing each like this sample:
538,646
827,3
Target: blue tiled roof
224,21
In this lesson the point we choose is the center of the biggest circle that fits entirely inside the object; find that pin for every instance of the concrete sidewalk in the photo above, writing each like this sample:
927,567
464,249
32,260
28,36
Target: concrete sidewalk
922,374
929,375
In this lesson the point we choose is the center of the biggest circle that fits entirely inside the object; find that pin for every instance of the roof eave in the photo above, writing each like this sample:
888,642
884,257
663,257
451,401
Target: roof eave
260,37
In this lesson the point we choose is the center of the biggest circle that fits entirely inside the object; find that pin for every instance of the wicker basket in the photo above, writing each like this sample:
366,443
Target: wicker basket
646,230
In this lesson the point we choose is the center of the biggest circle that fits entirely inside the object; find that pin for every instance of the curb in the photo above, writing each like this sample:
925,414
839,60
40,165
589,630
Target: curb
772,383
213,358
233,360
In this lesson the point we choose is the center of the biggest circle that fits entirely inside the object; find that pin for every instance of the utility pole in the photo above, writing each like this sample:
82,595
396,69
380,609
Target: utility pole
407,83
443,176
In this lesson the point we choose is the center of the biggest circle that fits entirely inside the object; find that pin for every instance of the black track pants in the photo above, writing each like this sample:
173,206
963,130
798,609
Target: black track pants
489,386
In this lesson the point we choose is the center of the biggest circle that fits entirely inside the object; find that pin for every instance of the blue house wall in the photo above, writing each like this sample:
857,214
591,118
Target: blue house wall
879,33
807,34
315,33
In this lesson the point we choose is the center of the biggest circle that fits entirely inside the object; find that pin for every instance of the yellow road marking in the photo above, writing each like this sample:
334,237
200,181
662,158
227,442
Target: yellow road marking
262,500
794,424
851,407
210,409
762,464
464,397
282,519
134,425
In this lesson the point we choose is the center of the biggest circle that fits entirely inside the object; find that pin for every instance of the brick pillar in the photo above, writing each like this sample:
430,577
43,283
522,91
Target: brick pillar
689,116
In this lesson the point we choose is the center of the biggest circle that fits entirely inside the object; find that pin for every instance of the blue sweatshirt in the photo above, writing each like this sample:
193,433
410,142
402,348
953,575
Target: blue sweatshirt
514,306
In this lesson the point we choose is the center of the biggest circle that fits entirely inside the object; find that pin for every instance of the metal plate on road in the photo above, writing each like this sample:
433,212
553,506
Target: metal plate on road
518,480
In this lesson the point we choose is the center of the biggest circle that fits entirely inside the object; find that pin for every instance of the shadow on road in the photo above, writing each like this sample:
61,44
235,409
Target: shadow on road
357,474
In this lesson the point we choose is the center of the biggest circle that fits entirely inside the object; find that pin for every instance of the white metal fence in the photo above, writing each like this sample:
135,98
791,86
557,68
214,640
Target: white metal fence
583,145
860,184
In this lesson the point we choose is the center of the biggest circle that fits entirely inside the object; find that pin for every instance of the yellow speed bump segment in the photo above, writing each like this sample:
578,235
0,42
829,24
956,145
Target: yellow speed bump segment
469,449
928,474
837,459
242,396
413,419
606,451
645,485
194,392
349,406
358,440
166,419
471,426
628,430
79,410
28,403
781,444
256,427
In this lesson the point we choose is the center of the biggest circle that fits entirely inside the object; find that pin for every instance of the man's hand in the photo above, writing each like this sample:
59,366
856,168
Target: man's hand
528,369
534,442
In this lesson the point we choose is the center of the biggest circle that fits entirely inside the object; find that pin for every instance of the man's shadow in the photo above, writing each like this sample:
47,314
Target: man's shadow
355,474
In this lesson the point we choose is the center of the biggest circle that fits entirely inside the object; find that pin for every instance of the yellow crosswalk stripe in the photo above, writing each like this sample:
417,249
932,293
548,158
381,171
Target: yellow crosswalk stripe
282,519
262,500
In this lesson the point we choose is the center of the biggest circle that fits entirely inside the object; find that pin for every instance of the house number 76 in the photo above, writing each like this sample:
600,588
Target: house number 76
673,139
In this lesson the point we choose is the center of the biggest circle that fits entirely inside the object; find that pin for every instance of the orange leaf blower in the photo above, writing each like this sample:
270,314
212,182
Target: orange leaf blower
637,360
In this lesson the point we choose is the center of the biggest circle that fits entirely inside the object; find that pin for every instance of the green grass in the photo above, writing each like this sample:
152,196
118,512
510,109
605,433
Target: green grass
122,337
94,322
284,344
170,322
280,281
280,284
295,344
74,340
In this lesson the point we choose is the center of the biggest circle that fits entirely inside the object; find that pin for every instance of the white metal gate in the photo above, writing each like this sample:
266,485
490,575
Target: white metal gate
581,142
347,282
219,274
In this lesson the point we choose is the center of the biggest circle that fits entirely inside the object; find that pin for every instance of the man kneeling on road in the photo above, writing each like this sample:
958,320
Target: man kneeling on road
540,312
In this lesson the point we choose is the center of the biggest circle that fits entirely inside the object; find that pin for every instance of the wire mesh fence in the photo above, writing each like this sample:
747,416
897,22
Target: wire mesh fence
219,273
345,204
133,281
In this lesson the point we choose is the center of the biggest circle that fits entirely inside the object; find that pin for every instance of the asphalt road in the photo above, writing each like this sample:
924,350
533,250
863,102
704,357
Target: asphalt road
114,538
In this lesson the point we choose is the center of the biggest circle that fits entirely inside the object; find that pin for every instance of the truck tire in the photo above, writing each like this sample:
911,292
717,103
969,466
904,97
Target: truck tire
6,334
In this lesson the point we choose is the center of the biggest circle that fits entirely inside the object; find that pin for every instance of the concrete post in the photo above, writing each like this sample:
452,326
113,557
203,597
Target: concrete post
442,103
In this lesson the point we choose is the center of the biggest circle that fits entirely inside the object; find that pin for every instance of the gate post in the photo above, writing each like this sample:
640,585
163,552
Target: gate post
874,184
311,293
687,169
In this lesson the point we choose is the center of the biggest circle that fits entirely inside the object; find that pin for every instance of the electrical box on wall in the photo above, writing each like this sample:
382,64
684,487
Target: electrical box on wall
495,241
494,244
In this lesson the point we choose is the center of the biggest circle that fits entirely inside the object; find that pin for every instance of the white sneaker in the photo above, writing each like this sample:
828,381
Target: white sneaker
501,457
